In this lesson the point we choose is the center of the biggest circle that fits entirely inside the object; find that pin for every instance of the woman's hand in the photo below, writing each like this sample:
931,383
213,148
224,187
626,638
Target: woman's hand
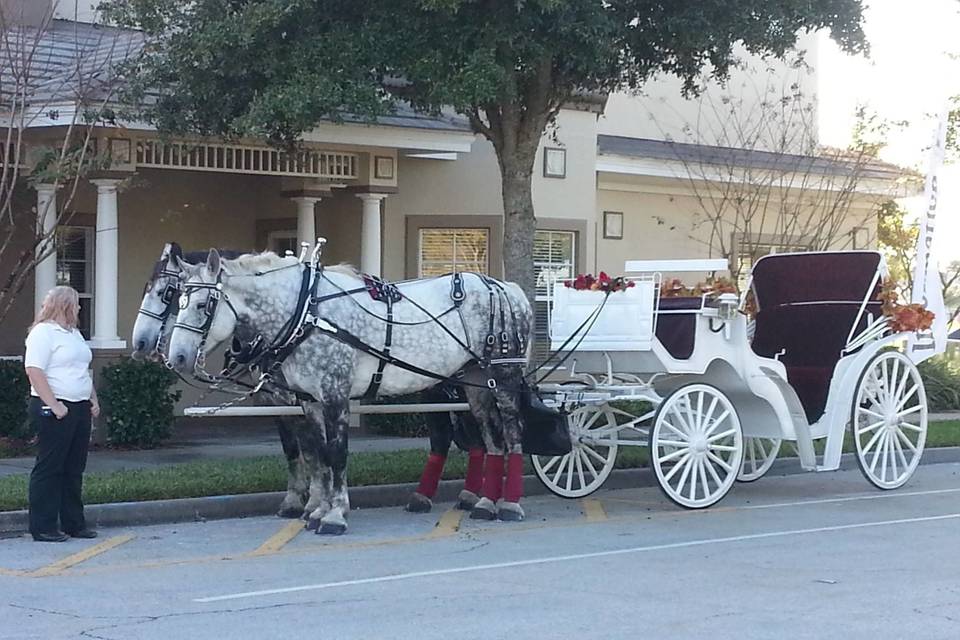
94,408
59,409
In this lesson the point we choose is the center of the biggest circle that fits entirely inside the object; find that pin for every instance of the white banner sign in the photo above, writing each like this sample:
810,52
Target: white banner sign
927,288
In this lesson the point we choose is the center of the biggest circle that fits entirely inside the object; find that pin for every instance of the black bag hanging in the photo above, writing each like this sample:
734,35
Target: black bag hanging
546,431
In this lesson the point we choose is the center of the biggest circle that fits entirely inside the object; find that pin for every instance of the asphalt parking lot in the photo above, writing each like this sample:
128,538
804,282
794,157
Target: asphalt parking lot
803,556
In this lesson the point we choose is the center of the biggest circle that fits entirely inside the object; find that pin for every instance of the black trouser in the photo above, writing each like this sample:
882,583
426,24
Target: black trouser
57,478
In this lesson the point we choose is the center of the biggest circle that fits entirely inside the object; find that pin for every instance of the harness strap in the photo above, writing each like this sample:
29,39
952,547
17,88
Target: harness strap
377,377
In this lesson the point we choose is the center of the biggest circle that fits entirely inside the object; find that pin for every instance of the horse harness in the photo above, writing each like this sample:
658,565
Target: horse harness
269,356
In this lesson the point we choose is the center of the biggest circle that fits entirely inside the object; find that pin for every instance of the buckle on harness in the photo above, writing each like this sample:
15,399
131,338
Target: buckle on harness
491,383
457,294
376,378
491,339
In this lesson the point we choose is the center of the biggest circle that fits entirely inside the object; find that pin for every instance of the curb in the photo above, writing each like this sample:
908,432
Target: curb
126,514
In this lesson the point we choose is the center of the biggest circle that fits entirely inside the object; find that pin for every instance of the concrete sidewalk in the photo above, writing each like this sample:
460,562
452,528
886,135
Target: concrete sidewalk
194,442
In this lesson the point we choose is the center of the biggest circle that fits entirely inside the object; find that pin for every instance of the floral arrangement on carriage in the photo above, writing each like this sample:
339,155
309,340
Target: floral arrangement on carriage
602,282
675,288
909,317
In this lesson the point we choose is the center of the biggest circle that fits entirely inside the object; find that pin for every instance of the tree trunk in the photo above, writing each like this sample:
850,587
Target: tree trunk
519,222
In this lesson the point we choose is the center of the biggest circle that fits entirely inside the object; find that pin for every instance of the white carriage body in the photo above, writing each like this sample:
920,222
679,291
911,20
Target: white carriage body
641,345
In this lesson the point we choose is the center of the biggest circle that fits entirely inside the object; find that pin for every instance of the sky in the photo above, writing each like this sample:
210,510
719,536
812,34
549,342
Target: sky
913,66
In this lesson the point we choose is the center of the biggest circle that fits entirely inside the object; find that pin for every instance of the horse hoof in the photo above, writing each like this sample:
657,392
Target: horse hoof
290,512
485,509
467,500
313,524
332,529
510,512
419,503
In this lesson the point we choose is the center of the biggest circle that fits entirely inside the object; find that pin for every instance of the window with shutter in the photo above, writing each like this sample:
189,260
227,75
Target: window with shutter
75,269
453,249
553,260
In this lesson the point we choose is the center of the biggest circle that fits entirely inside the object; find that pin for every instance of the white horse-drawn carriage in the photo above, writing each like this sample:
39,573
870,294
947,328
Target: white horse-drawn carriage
720,392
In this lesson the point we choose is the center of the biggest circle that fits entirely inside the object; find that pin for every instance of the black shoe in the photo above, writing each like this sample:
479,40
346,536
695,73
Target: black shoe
55,536
83,533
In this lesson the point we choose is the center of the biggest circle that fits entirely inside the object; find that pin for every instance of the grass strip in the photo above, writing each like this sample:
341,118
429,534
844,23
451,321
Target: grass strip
268,473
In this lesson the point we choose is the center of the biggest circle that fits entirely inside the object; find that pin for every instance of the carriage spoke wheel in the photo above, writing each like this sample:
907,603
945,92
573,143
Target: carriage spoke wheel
696,446
759,454
889,422
591,458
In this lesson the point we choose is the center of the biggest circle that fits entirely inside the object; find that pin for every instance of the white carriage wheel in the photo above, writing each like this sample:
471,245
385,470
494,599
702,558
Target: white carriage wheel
759,454
889,421
591,458
696,446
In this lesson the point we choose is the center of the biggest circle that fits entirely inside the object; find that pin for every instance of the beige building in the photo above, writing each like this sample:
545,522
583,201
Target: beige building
408,196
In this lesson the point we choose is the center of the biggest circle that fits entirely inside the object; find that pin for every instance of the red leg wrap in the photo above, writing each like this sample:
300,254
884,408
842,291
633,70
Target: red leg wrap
514,489
493,477
431,475
474,481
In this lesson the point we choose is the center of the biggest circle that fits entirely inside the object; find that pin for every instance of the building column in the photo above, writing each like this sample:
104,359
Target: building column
45,272
306,220
370,245
105,268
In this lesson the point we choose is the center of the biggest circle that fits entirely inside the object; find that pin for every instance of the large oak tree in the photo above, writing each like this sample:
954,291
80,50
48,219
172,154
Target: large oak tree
275,68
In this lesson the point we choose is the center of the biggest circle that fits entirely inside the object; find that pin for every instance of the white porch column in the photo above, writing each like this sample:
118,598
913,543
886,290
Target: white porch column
45,273
105,268
306,221
370,233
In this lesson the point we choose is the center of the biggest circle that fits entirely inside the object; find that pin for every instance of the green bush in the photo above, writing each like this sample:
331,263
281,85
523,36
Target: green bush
138,402
14,393
403,425
941,378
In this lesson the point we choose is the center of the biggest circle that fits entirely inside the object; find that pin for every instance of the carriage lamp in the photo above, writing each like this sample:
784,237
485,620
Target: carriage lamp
727,306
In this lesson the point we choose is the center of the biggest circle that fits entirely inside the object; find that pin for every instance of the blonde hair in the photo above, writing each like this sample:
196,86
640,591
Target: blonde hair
60,305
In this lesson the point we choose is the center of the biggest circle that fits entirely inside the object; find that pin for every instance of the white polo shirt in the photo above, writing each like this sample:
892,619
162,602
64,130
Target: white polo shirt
63,355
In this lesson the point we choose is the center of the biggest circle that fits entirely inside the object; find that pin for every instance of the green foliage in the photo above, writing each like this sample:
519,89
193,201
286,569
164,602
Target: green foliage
941,379
138,403
898,241
276,68
405,425
14,394
292,63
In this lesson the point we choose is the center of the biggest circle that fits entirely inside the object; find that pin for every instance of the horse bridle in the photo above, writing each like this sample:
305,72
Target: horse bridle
215,296
167,295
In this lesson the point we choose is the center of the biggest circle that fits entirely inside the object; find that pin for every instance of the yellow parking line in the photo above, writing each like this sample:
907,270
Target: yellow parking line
280,539
593,510
448,524
81,556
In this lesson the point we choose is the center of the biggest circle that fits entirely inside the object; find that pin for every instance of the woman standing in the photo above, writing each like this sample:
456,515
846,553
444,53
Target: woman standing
62,402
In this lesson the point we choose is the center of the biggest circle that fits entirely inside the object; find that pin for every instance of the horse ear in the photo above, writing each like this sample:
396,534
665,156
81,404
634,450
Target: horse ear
175,250
213,262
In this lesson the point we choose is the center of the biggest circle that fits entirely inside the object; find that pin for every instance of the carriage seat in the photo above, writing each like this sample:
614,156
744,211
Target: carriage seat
676,331
811,337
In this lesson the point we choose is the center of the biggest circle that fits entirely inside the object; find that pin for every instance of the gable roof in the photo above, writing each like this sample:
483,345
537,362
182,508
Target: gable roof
64,61
832,163
68,62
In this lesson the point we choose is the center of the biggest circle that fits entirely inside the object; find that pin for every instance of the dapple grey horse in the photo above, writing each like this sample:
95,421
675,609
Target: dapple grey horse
258,295
152,330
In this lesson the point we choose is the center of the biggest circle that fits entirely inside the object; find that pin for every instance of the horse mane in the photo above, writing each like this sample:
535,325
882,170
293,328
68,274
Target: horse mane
252,263
345,269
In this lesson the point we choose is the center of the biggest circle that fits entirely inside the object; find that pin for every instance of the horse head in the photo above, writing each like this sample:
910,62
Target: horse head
159,300
206,316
